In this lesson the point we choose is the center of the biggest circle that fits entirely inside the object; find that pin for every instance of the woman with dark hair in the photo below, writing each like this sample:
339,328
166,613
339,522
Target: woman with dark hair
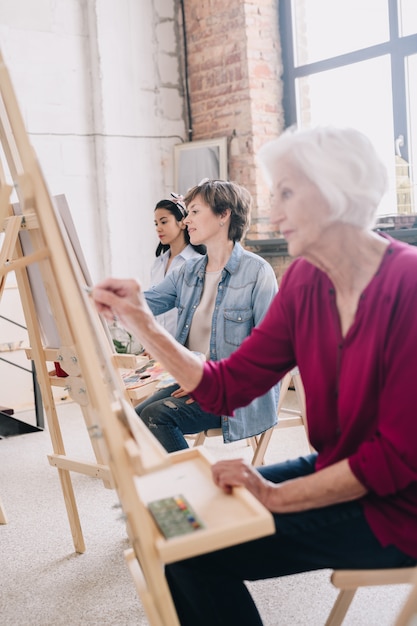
173,250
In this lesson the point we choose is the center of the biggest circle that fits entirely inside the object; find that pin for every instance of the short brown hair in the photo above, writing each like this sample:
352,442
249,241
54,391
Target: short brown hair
221,195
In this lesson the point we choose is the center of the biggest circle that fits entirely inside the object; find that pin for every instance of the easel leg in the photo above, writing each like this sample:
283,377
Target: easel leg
50,410
3,518
97,445
72,511
64,475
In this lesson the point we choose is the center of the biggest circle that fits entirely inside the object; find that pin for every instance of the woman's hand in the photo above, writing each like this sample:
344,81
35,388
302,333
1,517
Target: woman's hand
124,300
328,486
180,393
238,473
121,299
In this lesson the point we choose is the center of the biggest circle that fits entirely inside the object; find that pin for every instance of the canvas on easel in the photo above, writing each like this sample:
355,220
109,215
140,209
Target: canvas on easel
146,477
49,323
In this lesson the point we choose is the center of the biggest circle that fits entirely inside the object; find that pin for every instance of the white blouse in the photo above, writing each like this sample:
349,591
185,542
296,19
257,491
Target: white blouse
158,272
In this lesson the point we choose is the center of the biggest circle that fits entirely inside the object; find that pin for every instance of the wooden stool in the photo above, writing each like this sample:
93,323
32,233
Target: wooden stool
295,417
348,581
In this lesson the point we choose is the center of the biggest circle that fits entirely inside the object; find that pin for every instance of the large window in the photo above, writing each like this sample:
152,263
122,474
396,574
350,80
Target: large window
354,63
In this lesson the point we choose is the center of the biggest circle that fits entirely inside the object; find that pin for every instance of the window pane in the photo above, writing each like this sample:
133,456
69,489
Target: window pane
407,17
411,73
357,95
327,28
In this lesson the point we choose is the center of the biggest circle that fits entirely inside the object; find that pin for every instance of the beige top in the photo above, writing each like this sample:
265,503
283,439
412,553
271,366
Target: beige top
200,329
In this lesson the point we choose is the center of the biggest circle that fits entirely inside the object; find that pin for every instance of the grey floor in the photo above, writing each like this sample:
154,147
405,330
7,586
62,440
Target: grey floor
43,582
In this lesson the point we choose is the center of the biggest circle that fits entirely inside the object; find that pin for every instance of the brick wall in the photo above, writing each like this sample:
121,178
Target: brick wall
234,72
279,265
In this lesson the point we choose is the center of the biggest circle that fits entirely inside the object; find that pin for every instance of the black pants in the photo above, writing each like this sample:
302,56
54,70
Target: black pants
209,590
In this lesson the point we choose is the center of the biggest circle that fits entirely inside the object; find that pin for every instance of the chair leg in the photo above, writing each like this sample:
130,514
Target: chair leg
262,444
408,615
301,399
285,383
340,607
199,439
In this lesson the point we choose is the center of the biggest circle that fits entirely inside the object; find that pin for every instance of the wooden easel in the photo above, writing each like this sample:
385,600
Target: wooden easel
135,463
3,516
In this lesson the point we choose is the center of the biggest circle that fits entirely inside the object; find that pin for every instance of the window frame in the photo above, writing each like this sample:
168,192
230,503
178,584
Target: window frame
397,47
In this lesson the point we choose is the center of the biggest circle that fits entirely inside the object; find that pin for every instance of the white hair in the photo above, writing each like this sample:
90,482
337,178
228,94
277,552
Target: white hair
341,162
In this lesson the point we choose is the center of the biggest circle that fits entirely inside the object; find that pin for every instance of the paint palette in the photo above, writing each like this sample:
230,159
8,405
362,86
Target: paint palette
174,516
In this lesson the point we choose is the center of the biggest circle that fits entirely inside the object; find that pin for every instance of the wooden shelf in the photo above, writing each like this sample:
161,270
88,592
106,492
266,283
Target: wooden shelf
228,519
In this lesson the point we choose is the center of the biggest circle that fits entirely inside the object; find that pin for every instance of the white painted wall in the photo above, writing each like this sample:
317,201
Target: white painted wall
98,84
99,87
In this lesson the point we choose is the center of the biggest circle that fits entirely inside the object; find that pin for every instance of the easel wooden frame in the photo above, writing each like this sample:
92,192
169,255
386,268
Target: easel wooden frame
3,516
136,463
12,258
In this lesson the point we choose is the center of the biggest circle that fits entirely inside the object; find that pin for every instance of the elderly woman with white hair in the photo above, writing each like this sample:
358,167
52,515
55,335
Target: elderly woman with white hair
345,315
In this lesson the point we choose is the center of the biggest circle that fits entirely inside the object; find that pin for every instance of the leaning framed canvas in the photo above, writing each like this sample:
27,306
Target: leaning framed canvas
196,160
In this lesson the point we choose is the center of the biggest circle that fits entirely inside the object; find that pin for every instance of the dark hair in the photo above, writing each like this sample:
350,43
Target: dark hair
221,195
179,212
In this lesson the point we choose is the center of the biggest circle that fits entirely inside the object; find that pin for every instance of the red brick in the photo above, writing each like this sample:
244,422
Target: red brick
234,68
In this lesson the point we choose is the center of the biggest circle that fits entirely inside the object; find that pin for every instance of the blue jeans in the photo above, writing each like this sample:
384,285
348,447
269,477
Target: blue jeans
169,419
210,589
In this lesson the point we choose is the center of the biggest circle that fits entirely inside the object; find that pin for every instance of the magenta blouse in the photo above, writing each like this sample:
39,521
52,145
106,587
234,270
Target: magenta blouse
361,390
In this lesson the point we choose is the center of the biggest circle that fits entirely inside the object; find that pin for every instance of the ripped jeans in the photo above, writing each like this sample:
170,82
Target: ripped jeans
169,419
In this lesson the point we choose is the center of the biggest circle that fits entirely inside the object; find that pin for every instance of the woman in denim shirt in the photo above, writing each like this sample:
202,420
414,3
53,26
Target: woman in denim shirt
219,299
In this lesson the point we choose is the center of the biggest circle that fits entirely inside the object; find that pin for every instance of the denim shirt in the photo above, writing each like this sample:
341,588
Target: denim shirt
246,289
169,320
